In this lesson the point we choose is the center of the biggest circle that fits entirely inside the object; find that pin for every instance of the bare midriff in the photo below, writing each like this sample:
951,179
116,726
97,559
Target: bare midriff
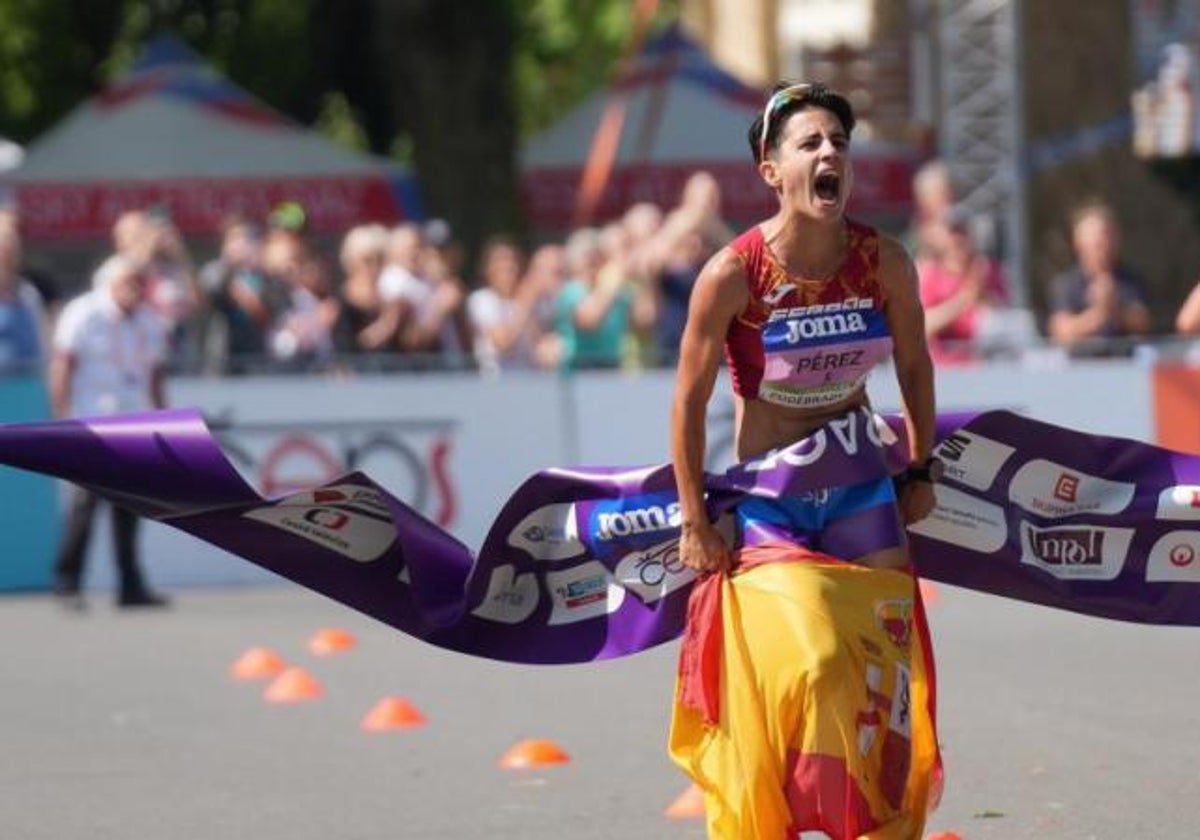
761,427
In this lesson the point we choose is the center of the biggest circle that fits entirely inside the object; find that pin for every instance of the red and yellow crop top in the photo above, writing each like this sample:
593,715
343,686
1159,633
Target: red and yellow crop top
808,343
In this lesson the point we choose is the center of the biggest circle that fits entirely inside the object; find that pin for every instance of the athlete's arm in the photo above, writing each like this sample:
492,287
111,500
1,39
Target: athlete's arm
719,295
914,368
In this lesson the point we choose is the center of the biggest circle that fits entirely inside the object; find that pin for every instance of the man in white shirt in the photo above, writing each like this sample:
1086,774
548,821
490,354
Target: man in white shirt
109,356
419,280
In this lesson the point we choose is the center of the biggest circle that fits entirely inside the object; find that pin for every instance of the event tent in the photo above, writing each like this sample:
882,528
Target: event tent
10,154
683,113
173,132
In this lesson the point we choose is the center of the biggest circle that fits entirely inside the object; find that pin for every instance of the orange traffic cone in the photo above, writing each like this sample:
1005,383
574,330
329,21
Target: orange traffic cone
688,805
293,686
944,835
328,642
257,663
392,713
929,593
533,753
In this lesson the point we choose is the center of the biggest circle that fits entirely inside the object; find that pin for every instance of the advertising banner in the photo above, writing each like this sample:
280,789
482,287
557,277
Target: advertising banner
453,447
30,501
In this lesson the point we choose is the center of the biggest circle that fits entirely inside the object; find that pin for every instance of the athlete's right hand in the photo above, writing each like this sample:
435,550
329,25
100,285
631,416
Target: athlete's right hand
701,547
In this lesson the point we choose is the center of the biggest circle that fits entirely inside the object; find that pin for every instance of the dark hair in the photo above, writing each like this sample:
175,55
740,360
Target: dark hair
817,96
237,220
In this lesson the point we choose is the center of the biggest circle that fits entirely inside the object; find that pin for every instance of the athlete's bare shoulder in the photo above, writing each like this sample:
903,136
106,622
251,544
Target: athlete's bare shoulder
720,294
724,275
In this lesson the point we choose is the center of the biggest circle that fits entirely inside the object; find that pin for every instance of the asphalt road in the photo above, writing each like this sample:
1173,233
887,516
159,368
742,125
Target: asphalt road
115,725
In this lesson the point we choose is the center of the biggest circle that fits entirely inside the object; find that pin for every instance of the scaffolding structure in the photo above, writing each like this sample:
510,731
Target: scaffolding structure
981,133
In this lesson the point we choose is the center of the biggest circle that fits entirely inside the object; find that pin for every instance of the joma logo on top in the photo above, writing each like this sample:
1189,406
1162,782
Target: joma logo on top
820,326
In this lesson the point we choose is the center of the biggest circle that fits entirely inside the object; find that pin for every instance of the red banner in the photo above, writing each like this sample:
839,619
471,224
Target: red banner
52,210
882,188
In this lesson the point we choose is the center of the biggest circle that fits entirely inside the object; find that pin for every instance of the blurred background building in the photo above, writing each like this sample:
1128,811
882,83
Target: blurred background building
1028,103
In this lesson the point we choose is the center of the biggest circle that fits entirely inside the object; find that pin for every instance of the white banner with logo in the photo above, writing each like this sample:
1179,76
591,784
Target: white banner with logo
451,446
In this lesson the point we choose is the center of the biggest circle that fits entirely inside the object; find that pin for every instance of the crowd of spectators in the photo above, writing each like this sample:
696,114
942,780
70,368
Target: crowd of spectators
612,296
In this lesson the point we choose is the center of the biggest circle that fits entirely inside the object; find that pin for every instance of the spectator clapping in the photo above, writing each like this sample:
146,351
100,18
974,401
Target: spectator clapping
610,297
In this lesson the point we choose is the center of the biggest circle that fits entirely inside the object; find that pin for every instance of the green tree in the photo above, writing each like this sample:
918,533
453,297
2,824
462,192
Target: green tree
52,56
566,49
448,85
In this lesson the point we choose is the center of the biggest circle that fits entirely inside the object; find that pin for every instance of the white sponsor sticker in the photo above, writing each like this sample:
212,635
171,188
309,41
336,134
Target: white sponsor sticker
655,572
549,533
354,495
510,598
963,520
348,532
972,459
582,592
1180,503
1053,490
1175,558
1076,552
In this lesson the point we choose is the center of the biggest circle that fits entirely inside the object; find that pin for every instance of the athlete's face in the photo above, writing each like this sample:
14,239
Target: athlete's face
810,169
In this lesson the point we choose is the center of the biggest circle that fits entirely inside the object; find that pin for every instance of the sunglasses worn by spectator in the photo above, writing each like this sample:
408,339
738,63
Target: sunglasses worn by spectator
777,101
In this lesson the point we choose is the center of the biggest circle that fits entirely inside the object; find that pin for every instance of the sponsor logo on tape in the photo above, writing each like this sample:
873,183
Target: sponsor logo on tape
655,572
1175,558
1066,488
1180,503
582,592
1076,552
354,523
972,459
549,533
367,499
1054,490
637,521
964,520
843,432
511,598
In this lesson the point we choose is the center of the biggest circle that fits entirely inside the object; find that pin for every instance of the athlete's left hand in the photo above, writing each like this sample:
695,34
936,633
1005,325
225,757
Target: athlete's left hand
916,501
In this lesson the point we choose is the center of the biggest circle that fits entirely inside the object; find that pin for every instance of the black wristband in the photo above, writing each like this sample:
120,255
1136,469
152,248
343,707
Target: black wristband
930,471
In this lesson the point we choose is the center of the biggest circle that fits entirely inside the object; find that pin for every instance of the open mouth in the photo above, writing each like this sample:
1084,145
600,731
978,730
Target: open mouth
828,186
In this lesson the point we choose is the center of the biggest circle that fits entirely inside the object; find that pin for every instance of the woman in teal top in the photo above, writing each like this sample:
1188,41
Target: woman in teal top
598,307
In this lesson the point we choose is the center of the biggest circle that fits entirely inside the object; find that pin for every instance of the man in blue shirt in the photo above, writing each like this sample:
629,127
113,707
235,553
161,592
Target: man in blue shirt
21,312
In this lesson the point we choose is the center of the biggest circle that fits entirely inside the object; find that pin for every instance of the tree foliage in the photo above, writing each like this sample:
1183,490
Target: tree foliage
449,85
566,49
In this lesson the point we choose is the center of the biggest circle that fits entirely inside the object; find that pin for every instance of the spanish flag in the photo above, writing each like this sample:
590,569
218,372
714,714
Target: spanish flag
805,700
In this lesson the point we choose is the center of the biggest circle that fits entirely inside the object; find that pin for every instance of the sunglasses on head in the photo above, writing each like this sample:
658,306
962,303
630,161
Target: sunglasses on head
777,101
